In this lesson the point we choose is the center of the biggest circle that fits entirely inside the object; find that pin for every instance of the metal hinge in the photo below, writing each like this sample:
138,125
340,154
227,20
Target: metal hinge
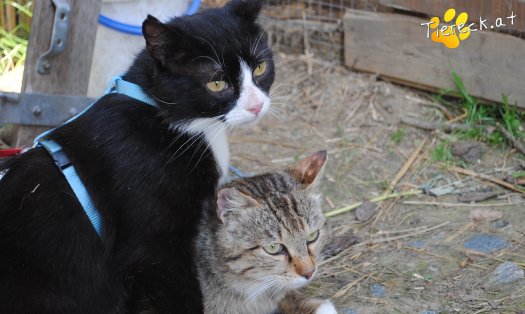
58,37
40,109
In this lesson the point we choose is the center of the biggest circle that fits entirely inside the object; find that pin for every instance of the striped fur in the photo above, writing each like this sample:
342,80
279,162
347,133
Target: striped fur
237,275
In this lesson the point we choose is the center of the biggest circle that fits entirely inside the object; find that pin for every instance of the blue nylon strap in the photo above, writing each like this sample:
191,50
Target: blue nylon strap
119,86
68,170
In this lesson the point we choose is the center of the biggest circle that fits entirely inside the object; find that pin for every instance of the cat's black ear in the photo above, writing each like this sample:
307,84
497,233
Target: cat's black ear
246,9
157,38
308,170
230,199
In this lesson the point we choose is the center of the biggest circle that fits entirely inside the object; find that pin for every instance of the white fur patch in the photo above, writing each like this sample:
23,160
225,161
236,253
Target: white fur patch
326,308
215,135
298,282
250,96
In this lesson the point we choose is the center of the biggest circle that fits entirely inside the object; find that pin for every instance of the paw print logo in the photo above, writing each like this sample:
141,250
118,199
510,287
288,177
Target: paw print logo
451,35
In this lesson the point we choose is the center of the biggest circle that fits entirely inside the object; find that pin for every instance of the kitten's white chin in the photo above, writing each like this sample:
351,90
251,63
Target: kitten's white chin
297,283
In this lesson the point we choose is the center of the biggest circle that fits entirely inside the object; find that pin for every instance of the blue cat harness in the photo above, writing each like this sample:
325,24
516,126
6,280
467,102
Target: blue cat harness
117,86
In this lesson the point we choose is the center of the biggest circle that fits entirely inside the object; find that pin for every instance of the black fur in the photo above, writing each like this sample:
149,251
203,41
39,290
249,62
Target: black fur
150,194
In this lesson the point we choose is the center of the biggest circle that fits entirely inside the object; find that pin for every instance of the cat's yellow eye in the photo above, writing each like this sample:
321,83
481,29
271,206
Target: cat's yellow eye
274,248
312,236
260,69
217,86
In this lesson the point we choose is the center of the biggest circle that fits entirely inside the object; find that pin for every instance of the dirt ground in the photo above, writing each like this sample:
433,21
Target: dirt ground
415,254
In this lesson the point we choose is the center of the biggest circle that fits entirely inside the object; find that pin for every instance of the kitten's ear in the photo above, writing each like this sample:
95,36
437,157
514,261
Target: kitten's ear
230,199
157,38
308,170
246,9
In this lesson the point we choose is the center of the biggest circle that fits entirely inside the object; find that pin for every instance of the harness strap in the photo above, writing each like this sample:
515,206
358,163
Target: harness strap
68,170
118,86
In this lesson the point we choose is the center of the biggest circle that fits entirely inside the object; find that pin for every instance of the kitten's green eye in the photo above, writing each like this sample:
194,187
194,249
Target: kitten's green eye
260,69
273,249
217,86
312,236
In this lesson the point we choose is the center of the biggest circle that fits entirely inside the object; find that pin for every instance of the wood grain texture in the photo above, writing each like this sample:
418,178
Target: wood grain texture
395,46
487,9
70,70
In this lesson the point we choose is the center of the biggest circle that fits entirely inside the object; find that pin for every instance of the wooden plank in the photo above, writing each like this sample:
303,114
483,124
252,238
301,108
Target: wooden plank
3,23
395,46
11,17
70,70
487,9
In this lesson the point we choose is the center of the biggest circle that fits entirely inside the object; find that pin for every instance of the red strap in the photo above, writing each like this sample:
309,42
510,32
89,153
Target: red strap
10,152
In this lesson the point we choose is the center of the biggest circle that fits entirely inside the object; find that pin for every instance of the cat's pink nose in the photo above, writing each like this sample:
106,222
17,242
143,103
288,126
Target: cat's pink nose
308,275
255,109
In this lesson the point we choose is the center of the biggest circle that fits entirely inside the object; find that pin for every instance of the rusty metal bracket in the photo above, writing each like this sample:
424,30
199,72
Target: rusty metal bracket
58,37
40,109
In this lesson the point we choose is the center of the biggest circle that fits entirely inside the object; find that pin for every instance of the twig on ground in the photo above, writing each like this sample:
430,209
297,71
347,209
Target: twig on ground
513,141
431,126
487,178
466,227
444,204
471,252
409,235
429,103
406,166
440,256
374,200
460,117
343,290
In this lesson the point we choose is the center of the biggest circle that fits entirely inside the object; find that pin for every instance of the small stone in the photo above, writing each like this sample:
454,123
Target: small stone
377,290
417,244
500,223
506,273
339,244
485,243
469,151
365,211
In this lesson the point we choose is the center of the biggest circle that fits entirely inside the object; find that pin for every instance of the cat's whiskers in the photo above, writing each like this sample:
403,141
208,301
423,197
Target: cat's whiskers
163,101
260,287
207,57
257,41
222,127
194,137
261,52
277,291
274,112
214,51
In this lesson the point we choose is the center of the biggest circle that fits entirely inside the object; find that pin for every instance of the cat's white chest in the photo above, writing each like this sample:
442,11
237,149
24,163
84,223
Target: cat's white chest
215,135
218,141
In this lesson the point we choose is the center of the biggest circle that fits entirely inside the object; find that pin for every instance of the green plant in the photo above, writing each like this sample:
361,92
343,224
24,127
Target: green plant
397,136
442,152
511,118
14,40
483,118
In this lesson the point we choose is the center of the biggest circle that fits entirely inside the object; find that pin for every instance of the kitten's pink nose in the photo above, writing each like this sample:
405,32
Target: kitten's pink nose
308,275
255,109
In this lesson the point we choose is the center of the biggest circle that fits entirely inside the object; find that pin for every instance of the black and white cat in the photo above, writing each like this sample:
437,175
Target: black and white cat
150,171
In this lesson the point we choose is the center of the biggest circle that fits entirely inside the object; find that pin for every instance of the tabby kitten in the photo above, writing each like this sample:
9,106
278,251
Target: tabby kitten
151,171
264,243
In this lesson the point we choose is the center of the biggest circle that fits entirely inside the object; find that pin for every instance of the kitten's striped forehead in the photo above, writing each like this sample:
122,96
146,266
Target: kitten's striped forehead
285,206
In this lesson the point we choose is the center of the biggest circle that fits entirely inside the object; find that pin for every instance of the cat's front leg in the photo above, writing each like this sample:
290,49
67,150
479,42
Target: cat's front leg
296,303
